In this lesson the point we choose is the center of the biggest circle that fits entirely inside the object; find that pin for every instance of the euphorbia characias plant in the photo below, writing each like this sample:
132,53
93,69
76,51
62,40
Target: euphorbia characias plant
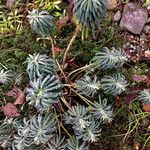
86,14
47,93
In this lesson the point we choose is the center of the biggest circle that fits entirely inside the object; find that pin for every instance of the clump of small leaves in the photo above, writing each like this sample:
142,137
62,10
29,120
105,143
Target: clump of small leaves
38,64
144,96
41,22
88,12
43,92
108,59
114,84
74,143
102,111
88,86
6,76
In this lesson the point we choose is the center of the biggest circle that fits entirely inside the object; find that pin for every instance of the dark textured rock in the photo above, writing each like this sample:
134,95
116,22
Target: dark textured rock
133,18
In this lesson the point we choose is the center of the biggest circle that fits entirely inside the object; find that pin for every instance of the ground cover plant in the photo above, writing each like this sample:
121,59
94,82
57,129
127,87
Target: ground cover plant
67,82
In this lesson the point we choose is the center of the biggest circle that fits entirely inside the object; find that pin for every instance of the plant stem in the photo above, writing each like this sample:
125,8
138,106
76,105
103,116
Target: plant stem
66,79
66,131
82,68
83,98
145,143
65,102
70,44
52,46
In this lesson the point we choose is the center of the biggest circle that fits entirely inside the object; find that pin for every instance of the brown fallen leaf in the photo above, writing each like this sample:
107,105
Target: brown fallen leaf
132,94
61,22
17,94
140,78
10,110
146,107
20,100
118,102
56,49
13,92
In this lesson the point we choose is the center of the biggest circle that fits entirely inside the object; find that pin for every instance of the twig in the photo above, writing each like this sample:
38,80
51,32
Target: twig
65,102
70,44
83,98
81,69
52,46
145,143
66,79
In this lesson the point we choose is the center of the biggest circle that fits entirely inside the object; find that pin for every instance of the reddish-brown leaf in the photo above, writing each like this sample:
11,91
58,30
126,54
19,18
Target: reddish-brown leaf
56,49
118,101
13,92
21,98
146,107
17,94
140,78
132,94
10,110
61,22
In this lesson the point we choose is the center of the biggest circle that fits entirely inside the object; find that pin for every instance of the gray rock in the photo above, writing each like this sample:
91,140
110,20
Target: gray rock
117,16
133,18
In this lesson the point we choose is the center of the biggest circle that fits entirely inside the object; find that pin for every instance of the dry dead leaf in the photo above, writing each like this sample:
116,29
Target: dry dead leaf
61,22
146,107
140,78
17,94
56,49
13,92
132,94
20,100
10,110
118,102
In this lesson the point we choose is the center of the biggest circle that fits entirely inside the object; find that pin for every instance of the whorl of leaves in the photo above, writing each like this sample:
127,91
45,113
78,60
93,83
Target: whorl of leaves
77,116
102,111
144,96
76,144
108,59
56,143
42,127
6,132
35,131
38,64
87,85
114,84
91,133
41,22
22,140
6,76
43,92
88,12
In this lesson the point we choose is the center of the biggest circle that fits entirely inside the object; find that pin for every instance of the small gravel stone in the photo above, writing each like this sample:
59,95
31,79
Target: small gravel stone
117,16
